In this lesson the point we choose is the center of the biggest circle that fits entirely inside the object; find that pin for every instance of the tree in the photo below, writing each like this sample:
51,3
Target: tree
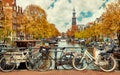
111,19
108,25
34,22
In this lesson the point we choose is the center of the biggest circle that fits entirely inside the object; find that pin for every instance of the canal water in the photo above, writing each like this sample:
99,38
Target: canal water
69,48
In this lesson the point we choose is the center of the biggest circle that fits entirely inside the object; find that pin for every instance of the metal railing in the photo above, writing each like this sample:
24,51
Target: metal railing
55,50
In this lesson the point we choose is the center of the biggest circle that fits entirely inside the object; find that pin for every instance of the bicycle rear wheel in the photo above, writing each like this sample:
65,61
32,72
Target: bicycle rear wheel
29,65
66,61
79,63
32,63
45,63
7,64
108,64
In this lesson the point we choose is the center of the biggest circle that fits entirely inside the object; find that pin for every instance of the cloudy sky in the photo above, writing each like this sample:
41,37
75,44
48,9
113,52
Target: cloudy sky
59,12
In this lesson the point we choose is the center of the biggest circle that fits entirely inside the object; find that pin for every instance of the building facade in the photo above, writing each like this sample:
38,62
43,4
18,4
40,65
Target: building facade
74,27
11,11
1,14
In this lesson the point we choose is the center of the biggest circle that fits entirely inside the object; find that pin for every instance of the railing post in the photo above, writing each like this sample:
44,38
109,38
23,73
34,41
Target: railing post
55,59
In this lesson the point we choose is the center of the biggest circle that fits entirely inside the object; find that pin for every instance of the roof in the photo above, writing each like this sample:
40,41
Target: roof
90,23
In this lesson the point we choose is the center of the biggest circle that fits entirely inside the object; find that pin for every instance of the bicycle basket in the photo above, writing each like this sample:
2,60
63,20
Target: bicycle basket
44,51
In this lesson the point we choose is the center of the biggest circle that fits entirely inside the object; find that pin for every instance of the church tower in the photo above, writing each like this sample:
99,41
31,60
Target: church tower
74,27
74,17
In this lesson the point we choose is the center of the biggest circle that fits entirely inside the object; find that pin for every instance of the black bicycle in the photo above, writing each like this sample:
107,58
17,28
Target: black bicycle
65,59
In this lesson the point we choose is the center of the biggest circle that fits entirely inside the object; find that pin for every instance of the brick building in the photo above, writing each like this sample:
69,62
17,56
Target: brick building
11,11
74,28
7,9
1,14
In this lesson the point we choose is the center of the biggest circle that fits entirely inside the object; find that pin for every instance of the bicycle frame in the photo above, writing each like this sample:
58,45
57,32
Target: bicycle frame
62,52
86,53
17,59
23,57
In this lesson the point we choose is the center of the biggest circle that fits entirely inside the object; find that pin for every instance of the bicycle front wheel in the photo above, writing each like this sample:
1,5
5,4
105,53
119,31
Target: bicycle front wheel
66,61
28,64
31,63
79,63
7,64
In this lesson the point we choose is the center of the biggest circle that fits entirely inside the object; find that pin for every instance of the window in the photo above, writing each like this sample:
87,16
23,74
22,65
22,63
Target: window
14,7
14,14
7,4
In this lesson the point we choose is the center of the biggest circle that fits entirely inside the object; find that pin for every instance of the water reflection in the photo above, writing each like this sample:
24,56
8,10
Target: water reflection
66,44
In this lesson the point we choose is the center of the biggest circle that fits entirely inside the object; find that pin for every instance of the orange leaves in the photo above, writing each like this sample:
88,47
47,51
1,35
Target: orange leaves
108,26
111,18
34,22
35,12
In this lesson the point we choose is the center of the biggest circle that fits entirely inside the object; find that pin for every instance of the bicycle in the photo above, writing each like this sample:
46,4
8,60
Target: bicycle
33,61
104,60
65,59
45,62
9,61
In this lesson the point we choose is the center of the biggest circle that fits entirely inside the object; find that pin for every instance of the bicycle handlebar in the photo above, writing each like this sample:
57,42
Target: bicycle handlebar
63,48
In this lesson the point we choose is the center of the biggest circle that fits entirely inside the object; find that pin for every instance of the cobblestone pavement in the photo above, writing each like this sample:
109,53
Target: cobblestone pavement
60,72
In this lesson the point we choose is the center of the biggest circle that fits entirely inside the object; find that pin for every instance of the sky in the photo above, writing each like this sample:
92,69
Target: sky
59,12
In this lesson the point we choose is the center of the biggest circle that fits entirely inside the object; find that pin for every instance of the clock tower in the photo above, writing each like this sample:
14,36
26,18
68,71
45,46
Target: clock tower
74,17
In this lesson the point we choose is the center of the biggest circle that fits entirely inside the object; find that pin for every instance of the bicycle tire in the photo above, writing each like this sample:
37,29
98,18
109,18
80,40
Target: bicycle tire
7,66
111,59
45,64
78,64
66,61
31,63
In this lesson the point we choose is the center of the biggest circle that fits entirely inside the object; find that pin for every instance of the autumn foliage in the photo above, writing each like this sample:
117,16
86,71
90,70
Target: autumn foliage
108,25
7,21
34,22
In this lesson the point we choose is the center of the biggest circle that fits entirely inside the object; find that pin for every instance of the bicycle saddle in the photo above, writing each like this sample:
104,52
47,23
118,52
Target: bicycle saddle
62,48
100,48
